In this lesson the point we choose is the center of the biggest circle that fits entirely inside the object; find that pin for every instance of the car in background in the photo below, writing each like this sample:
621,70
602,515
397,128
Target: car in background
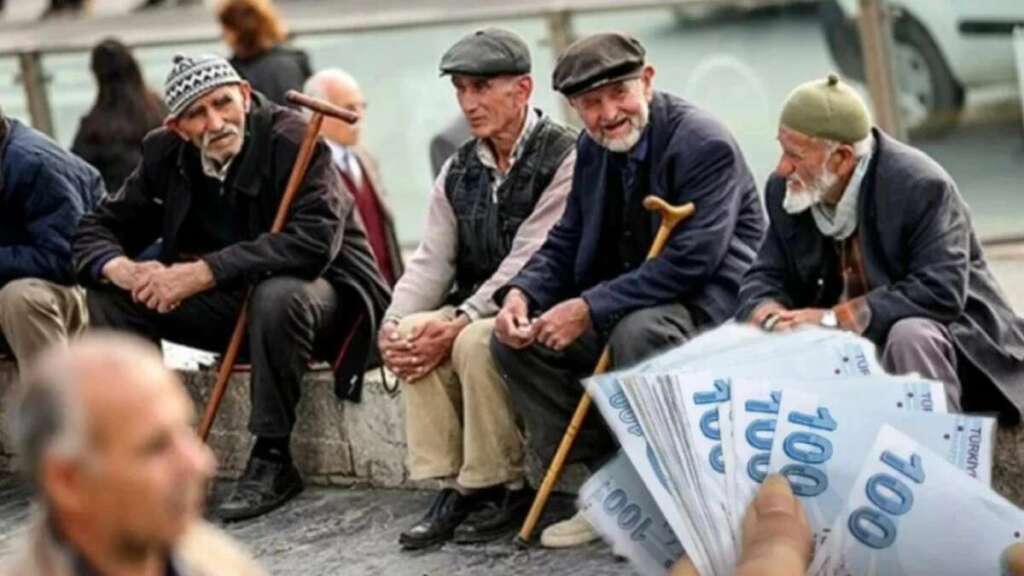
941,49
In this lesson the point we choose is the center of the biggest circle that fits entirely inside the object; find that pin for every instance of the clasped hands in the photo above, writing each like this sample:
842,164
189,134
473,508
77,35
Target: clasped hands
157,286
775,318
556,329
426,346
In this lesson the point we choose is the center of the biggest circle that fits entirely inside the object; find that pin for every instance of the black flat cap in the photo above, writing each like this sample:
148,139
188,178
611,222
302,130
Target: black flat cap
487,52
597,60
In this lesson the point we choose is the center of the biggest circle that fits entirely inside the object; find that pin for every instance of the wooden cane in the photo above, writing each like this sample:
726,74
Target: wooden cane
670,217
320,109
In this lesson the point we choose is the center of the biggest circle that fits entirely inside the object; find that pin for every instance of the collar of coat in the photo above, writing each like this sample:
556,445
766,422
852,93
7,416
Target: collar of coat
249,168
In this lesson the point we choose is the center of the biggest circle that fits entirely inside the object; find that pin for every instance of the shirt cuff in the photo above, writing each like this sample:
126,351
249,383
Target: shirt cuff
469,311
853,315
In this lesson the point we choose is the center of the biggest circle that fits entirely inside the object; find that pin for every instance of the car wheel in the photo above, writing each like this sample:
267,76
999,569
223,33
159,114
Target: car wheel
930,98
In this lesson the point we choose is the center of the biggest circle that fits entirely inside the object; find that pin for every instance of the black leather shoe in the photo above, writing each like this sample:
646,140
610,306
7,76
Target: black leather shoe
446,512
495,517
264,486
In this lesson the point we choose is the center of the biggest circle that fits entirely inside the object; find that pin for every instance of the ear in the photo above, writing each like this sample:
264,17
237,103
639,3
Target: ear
842,161
525,84
647,78
246,90
60,481
173,123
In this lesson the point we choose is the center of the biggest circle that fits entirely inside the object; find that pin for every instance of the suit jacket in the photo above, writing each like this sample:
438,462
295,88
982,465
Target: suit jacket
202,551
693,158
371,171
921,259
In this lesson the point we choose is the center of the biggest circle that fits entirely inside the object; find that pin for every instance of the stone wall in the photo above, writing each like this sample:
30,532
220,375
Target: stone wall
340,443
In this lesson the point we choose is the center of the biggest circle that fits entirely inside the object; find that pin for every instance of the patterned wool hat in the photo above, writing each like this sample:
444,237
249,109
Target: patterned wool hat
191,77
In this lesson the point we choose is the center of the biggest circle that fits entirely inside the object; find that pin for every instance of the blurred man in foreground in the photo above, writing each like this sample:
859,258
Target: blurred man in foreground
107,437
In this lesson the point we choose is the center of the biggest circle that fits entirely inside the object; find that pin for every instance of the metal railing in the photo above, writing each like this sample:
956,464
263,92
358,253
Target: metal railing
29,44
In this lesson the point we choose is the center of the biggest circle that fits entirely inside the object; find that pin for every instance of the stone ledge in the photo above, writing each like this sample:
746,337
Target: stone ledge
340,443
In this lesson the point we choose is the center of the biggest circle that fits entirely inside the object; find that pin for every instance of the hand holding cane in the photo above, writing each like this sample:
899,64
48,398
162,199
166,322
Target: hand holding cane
320,109
670,217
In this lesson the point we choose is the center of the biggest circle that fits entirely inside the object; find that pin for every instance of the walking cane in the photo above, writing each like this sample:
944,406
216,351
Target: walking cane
670,217
320,109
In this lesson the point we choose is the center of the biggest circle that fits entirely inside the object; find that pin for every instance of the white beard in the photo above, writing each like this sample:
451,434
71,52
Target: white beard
797,201
625,143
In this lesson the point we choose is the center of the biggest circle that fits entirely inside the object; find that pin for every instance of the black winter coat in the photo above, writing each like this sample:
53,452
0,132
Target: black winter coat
275,71
322,238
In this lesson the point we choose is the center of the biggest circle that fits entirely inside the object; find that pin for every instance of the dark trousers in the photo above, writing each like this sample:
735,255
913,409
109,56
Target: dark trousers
289,319
545,385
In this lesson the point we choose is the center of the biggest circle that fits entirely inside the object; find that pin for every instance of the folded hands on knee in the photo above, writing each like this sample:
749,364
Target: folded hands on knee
427,345
156,286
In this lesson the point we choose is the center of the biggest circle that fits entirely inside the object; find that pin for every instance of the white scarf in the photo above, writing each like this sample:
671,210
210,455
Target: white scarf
840,222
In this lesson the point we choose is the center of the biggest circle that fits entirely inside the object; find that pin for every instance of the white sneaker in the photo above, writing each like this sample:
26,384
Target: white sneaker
575,531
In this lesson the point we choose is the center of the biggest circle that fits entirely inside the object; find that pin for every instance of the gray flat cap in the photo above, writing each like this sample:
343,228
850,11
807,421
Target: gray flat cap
597,60
487,52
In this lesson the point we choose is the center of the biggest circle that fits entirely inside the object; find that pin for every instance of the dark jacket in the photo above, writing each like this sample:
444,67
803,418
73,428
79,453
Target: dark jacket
921,259
322,238
693,158
112,144
275,71
44,191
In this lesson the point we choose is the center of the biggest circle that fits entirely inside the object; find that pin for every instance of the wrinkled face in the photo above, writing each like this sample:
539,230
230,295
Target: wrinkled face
807,166
492,105
616,114
144,481
215,123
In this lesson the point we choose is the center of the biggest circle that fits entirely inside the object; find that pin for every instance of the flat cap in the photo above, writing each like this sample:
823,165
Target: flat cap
597,60
829,109
487,52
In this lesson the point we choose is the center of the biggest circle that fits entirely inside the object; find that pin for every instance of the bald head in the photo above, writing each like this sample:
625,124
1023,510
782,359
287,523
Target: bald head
106,433
341,89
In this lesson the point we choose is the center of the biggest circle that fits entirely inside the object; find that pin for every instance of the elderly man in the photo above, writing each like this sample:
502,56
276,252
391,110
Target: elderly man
870,235
44,191
106,436
589,285
491,207
358,168
209,185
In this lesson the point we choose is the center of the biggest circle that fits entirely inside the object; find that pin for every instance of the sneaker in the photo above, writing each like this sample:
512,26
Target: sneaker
575,531
264,486
496,517
446,512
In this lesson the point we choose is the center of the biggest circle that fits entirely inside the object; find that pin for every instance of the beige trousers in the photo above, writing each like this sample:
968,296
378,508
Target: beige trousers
36,313
459,420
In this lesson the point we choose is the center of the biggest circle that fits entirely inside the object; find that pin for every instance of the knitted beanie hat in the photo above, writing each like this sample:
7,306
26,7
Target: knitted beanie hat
192,77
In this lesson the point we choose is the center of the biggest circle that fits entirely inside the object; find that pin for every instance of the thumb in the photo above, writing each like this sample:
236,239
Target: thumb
417,331
684,567
776,534
1013,560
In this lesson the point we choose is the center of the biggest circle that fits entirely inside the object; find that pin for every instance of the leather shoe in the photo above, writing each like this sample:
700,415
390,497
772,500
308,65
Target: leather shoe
446,512
495,517
264,486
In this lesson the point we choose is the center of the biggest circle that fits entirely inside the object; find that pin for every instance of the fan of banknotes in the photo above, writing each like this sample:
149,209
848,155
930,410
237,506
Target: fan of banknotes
879,464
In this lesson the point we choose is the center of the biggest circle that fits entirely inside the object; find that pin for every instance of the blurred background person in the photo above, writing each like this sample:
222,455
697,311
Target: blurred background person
106,437
110,135
255,34
157,3
359,169
64,8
